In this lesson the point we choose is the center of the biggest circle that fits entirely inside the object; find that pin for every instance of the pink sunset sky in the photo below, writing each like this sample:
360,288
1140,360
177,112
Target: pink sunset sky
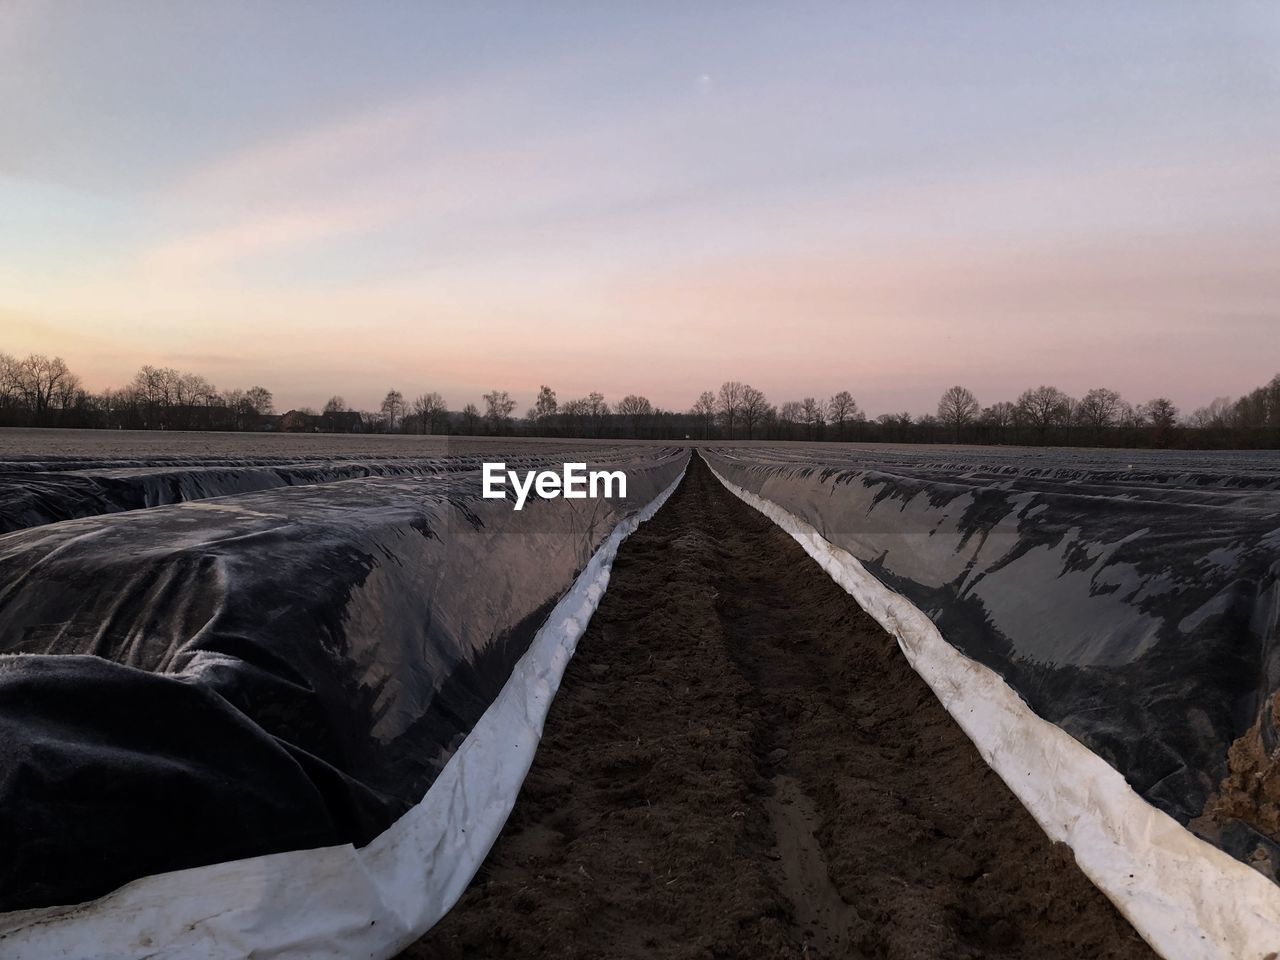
340,199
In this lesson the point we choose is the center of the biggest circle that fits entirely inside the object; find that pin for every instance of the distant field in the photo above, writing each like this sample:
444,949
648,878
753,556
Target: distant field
19,442
110,444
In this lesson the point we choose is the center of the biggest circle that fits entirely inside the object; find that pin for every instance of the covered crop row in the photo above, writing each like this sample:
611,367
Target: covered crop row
37,491
287,670
1137,614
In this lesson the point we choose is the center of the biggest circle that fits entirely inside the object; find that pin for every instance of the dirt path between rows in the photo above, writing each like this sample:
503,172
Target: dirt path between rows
740,763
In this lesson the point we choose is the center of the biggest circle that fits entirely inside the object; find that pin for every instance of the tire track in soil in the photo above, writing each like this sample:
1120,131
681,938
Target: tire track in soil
740,763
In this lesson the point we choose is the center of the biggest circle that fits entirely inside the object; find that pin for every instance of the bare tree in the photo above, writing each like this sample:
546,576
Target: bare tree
148,385
190,392
9,396
1215,416
754,408
769,421
42,385
1043,408
573,415
1259,409
842,408
191,389
335,404
729,404
237,406
544,408
957,409
471,416
1270,394
597,411
498,407
1131,417
999,417
790,417
170,398
1099,410
814,415
392,410
260,400
897,426
430,410
45,385
1163,416
635,409
704,410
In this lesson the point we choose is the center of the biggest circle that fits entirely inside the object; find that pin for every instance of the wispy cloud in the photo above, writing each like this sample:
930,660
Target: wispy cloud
206,250
344,149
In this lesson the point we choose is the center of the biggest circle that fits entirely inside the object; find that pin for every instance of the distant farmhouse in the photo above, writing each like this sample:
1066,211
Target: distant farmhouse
299,421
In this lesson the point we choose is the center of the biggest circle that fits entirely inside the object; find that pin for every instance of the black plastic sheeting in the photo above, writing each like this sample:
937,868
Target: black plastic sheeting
268,671
39,491
1129,597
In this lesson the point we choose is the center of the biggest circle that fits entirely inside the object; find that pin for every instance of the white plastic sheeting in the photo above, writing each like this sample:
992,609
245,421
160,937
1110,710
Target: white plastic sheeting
338,903
1188,899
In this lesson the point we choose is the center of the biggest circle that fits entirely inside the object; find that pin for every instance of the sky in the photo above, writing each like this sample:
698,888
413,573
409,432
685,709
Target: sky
645,197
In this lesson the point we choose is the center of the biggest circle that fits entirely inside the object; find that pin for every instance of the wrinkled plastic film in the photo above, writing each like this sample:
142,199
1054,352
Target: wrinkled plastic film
1129,598
1186,898
262,672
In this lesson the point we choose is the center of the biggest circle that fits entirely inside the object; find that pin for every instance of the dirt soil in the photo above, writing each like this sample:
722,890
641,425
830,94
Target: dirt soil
1251,790
741,764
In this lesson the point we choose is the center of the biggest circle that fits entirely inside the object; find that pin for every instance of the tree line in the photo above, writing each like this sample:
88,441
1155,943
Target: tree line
43,391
